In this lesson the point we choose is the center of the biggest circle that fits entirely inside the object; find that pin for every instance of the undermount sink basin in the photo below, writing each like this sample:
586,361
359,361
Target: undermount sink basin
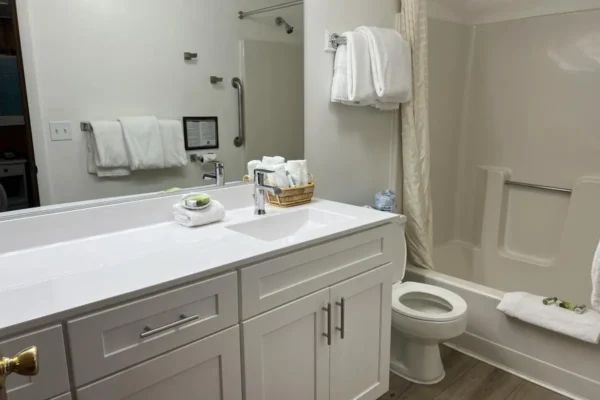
275,227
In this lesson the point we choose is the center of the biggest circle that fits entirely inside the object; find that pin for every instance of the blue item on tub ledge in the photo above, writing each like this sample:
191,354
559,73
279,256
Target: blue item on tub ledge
385,201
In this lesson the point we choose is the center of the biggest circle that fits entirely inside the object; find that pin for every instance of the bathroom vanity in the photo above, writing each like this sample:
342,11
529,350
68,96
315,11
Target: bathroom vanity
122,303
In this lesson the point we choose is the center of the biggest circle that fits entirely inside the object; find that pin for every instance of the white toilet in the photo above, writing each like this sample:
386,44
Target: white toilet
423,316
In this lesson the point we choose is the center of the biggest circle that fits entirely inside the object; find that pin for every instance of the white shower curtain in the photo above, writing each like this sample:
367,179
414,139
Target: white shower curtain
416,196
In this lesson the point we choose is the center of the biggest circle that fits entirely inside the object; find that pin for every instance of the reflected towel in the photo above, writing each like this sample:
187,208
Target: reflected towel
144,142
107,153
531,309
171,132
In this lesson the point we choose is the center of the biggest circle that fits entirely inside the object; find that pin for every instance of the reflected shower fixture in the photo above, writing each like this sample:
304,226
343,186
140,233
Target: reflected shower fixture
288,28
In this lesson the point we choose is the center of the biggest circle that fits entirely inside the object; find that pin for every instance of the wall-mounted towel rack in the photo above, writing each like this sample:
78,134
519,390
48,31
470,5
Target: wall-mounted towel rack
335,40
86,127
541,187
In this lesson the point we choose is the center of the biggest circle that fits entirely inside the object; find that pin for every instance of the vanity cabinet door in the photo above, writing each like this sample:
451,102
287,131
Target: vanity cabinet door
360,360
286,355
207,369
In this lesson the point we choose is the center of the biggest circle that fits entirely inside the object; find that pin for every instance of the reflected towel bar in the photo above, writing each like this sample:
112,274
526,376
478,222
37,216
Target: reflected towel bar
542,187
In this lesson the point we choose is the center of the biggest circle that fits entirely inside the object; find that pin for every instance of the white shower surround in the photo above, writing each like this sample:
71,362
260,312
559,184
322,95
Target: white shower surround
473,12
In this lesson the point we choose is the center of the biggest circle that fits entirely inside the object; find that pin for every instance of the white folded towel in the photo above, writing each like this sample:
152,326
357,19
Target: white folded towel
353,78
596,280
298,169
251,167
144,142
215,212
530,308
107,153
171,132
391,63
280,176
273,160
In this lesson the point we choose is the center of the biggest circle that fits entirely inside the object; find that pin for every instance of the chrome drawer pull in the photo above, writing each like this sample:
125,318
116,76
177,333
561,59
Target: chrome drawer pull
184,320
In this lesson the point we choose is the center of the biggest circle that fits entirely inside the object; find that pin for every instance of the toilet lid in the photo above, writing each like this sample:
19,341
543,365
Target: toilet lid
427,302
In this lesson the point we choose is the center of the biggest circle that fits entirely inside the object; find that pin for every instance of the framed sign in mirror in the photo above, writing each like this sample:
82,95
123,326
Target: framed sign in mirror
201,133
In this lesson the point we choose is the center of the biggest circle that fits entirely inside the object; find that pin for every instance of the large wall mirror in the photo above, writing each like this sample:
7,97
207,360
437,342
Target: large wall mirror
69,65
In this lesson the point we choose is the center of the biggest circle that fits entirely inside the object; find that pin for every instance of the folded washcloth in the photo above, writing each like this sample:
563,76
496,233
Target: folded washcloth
298,169
215,212
596,280
353,78
280,177
251,167
391,64
107,153
171,132
273,160
144,142
530,308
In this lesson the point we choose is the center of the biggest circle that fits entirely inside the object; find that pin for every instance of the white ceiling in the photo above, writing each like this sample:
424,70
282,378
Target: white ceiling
485,11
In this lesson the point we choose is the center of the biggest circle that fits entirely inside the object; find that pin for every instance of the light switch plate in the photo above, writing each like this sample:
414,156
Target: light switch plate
61,130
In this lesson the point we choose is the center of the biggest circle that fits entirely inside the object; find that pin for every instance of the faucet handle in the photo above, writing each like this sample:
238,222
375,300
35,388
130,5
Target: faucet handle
262,171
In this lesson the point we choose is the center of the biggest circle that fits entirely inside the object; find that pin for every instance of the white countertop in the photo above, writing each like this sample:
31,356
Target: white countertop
66,278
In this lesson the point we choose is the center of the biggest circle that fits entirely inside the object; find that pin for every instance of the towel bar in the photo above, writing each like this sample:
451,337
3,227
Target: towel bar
542,187
335,40
86,127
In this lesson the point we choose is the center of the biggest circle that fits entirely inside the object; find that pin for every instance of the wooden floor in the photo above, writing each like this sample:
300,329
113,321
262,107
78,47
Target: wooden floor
469,379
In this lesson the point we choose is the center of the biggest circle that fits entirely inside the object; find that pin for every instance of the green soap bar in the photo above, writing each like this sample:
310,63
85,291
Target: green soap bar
198,200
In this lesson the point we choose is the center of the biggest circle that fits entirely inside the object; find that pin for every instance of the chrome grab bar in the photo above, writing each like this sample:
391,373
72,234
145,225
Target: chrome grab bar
182,321
541,187
239,140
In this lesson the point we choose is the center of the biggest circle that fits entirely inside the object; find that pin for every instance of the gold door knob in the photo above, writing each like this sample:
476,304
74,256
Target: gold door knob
25,363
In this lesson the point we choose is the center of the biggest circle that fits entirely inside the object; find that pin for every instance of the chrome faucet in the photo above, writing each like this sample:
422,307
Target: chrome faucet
219,175
260,188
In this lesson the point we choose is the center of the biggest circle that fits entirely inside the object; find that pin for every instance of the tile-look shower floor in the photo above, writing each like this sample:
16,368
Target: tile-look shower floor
469,379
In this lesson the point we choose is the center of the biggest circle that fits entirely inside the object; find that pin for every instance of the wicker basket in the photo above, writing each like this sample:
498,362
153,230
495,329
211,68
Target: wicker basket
291,197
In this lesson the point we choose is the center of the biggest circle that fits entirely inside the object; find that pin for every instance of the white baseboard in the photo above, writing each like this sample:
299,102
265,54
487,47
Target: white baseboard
531,369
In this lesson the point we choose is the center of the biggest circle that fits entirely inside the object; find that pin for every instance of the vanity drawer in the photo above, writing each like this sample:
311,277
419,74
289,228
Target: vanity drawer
114,339
12,170
281,280
53,378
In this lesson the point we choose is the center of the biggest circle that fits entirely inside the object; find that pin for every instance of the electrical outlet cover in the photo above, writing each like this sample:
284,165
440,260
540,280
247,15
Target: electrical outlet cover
61,130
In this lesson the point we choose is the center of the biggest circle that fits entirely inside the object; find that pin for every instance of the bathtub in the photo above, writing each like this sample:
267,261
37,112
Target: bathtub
557,362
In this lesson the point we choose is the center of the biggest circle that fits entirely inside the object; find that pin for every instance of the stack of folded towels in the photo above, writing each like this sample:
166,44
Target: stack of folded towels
198,209
286,174
115,148
373,69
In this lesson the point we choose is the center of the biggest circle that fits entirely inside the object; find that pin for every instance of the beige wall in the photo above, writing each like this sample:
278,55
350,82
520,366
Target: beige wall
348,149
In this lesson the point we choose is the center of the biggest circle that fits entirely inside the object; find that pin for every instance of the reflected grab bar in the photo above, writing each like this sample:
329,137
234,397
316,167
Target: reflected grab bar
237,83
542,187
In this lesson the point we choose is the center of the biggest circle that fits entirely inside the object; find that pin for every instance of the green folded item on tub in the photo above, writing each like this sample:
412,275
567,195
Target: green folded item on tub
567,305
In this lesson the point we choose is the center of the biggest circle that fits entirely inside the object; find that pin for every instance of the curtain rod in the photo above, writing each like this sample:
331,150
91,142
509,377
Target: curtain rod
242,14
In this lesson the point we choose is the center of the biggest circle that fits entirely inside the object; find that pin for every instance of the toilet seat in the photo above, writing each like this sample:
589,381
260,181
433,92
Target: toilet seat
432,293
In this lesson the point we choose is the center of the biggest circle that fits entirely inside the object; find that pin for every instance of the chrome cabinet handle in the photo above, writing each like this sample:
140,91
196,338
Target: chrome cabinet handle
182,321
342,304
328,334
